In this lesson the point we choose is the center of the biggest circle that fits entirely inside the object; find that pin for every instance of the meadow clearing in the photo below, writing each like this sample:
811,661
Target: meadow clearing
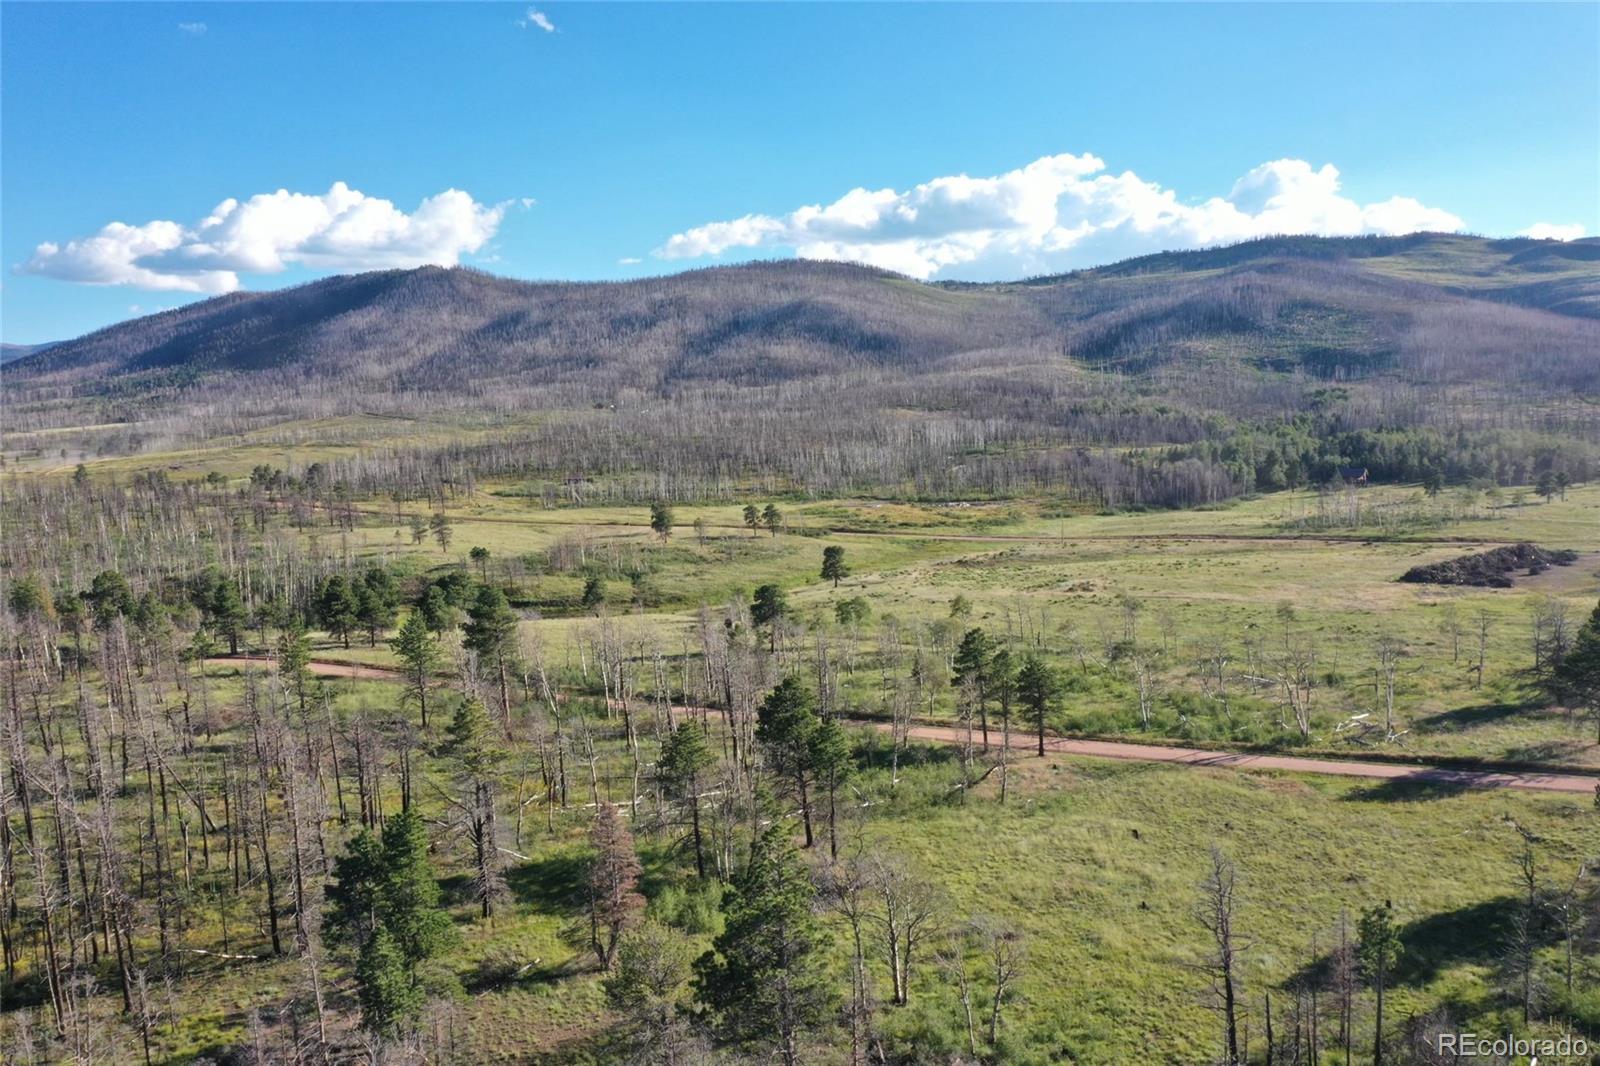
1163,627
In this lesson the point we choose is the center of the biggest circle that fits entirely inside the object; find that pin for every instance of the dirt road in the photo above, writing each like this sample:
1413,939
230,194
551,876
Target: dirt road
1421,773
1228,538
320,667
642,529
1111,749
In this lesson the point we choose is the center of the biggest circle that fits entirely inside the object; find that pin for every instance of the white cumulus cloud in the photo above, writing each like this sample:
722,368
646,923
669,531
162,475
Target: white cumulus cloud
538,19
193,29
1554,231
1057,213
342,229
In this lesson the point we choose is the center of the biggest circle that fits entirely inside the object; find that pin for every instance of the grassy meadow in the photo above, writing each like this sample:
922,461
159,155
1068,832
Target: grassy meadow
1200,584
1096,864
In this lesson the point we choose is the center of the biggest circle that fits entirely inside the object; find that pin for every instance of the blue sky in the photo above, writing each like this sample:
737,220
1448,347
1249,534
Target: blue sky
639,138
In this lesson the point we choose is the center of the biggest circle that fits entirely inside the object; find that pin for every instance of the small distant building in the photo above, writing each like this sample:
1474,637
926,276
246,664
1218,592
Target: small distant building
1353,475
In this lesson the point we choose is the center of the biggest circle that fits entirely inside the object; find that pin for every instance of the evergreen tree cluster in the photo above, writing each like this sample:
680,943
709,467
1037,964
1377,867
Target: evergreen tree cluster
386,901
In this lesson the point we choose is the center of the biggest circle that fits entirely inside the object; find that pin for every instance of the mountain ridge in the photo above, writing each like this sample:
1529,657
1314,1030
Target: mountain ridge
1419,308
1177,380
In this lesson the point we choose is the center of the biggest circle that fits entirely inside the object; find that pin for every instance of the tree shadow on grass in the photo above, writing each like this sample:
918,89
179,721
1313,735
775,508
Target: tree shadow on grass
29,991
502,971
877,753
559,884
1551,751
1415,787
1473,935
663,864
554,883
1472,717
457,890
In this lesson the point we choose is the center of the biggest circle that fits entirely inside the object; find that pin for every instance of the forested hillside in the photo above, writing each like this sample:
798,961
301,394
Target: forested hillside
1424,356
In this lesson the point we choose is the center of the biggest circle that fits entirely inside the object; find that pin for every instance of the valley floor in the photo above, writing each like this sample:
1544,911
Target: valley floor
1173,735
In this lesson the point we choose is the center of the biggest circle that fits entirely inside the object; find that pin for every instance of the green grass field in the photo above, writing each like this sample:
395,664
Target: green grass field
1202,580
1097,864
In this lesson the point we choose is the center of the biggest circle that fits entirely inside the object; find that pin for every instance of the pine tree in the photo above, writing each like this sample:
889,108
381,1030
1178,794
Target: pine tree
109,597
294,660
785,724
830,760
851,611
1577,677
661,520
150,618
419,651
647,981
614,899
355,896
772,518
338,609
762,981
382,584
469,743
769,606
228,615
972,667
467,737
684,757
375,603
390,999
386,899
833,566
491,631
1378,948
27,598
439,525
1037,689
69,608
409,899
437,611
752,518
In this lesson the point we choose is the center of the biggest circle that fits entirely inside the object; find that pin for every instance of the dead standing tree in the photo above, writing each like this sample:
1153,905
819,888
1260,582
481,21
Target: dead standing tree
1296,679
1005,952
1388,650
907,914
1215,913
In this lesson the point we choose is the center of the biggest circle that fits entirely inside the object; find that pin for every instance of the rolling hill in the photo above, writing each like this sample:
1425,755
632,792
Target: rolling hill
10,353
1180,378
1424,307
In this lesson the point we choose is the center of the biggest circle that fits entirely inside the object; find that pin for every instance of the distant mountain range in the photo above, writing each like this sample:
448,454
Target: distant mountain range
1426,307
12,352
1173,379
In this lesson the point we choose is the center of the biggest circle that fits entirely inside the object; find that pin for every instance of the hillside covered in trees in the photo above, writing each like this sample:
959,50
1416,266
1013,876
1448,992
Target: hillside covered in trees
1176,379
